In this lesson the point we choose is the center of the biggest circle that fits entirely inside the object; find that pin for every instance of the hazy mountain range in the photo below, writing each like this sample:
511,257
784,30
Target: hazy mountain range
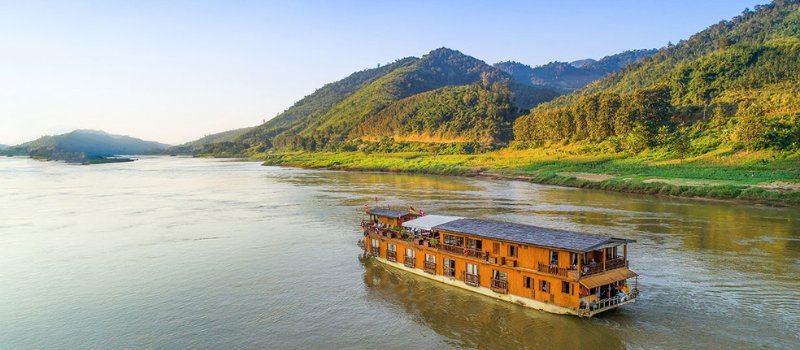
81,146
734,83
568,77
443,96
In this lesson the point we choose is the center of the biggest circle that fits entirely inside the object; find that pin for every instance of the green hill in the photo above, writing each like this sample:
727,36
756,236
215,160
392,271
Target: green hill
480,113
568,77
83,146
342,111
437,69
296,117
735,84
204,142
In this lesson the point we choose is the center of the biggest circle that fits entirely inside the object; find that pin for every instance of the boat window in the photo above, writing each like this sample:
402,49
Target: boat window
566,287
544,286
449,267
611,253
474,244
527,282
512,251
454,240
499,275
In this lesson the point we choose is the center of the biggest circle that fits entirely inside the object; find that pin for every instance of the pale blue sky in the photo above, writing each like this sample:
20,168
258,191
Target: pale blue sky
173,71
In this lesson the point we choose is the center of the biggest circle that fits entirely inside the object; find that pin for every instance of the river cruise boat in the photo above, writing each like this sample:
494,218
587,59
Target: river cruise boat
556,271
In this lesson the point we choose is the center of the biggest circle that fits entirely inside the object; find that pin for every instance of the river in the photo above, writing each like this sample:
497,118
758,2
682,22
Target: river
170,252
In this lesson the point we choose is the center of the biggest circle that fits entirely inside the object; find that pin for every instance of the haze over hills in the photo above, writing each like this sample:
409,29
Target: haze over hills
734,84
195,146
444,96
82,146
362,95
567,77
717,115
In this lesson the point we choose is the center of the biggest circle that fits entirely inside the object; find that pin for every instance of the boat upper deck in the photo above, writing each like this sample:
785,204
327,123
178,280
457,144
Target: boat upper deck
529,234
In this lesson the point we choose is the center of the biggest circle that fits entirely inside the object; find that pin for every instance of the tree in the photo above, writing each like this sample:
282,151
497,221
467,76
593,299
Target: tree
751,127
718,119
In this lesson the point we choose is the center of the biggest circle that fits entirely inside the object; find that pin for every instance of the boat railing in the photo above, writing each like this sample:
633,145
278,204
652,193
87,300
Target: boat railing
472,279
430,267
609,303
374,229
554,269
476,253
449,271
499,285
391,256
611,264
409,261
450,248
615,263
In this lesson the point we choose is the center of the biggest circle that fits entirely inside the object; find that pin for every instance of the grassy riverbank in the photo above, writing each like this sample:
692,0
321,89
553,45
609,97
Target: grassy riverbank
764,176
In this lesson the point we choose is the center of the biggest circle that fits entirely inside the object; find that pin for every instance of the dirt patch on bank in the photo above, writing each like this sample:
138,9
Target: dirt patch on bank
685,182
587,176
781,186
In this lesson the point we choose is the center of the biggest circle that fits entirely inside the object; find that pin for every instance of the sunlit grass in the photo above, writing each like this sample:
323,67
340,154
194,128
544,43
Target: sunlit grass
726,174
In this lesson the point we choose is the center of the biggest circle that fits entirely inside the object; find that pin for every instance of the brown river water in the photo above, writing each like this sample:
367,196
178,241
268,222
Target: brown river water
201,253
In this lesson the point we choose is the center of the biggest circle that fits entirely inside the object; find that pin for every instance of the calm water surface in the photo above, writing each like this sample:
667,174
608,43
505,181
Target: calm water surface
194,253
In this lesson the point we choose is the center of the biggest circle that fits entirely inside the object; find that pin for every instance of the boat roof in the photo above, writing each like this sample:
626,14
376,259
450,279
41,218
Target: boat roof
388,213
529,234
428,222
607,277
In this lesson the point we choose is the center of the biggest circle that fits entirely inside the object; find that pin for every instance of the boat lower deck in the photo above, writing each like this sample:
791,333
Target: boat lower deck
519,300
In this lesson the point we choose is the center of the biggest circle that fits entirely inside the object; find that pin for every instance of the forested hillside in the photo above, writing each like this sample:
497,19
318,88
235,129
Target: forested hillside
568,77
334,114
297,116
481,112
734,84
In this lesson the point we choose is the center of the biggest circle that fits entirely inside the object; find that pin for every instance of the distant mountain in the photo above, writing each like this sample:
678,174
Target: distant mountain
336,113
734,84
583,62
199,144
568,77
83,145
2,146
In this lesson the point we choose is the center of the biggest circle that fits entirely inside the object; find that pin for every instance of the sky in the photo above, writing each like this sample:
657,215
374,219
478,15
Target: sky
174,71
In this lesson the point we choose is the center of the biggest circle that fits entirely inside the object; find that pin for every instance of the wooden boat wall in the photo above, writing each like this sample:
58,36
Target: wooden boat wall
552,270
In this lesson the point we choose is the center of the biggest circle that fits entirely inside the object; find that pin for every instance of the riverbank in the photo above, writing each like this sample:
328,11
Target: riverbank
760,177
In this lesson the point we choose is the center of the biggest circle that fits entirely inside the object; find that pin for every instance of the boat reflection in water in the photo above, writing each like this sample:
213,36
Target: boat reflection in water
471,320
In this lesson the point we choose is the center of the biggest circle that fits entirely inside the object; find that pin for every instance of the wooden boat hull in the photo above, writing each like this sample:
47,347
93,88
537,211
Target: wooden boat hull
522,301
